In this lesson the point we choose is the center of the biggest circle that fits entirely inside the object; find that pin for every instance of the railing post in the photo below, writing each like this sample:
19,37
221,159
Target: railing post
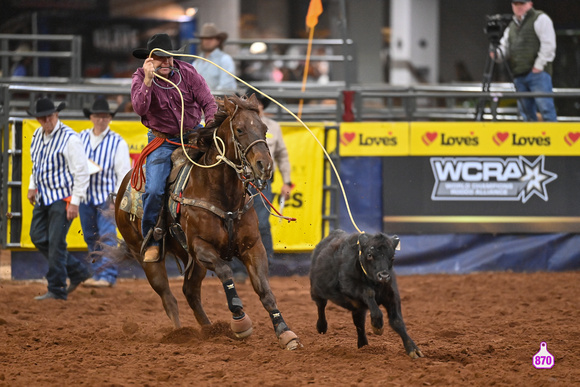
4,146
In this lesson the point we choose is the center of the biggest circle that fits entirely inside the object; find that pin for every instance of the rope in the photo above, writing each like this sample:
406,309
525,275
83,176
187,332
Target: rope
177,143
138,177
277,103
278,214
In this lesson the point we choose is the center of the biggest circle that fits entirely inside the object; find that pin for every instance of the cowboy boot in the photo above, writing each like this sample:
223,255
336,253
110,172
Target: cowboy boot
151,254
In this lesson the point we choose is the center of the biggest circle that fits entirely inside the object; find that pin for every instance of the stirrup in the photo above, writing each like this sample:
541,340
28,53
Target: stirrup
145,243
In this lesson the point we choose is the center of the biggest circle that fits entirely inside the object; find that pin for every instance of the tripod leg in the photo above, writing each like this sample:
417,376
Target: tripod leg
485,85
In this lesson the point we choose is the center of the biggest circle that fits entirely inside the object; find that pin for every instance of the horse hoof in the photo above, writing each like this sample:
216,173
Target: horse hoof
289,341
377,331
242,327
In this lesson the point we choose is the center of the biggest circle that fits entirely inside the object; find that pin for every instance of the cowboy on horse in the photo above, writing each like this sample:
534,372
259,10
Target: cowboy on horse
159,104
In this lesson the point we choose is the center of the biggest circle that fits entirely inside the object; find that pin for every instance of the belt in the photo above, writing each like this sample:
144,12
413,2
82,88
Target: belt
159,134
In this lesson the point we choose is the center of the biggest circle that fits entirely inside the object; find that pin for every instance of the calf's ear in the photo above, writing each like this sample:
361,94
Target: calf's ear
396,242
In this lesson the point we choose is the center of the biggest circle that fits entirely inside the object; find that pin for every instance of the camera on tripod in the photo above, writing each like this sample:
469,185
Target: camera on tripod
495,25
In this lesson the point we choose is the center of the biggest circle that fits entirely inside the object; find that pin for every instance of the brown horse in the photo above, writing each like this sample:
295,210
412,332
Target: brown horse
217,221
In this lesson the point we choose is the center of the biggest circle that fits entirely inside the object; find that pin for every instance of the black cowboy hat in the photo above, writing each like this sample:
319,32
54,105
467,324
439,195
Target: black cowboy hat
99,106
44,107
162,41
209,30
265,101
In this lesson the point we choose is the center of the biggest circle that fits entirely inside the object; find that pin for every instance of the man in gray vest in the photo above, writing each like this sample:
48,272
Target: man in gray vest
58,183
529,43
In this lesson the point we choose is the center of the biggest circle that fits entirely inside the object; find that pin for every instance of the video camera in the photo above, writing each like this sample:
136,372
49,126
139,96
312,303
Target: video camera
495,25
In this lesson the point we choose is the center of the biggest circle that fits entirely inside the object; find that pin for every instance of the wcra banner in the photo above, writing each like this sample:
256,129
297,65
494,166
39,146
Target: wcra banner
481,194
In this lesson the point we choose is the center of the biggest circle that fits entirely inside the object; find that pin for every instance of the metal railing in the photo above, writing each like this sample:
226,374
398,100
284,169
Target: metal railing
341,57
41,46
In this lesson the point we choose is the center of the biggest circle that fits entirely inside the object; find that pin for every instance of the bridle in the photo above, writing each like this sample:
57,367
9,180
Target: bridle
244,168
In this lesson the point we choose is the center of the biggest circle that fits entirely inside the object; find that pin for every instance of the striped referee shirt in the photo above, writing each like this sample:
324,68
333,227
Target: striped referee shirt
59,165
111,153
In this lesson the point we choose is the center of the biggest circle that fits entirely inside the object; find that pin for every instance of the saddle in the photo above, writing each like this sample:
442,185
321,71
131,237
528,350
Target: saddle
132,203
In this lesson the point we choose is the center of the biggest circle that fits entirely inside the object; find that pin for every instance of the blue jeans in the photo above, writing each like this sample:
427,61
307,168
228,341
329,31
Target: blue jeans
539,82
48,231
157,169
98,226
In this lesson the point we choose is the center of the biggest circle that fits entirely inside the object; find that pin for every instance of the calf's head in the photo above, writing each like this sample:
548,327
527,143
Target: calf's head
376,256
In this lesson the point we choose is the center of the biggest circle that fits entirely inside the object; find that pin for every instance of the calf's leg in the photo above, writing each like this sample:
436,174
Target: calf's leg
321,324
359,318
393,307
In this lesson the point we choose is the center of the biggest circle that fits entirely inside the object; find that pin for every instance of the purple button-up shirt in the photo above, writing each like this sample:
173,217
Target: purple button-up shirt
160,105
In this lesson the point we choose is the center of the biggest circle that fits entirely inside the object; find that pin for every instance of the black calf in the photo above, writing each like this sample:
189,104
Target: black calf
355,272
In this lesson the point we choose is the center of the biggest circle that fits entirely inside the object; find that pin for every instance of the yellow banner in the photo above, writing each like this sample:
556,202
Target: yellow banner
374,139
133,132
494,139
305,204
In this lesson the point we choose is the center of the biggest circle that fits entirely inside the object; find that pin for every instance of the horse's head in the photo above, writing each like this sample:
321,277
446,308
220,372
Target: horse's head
248,133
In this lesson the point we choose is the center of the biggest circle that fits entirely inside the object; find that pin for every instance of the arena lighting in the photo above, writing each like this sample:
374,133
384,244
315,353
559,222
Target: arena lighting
191,11
258,48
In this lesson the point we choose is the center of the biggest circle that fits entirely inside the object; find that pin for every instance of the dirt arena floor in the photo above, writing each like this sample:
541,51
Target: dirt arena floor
481,329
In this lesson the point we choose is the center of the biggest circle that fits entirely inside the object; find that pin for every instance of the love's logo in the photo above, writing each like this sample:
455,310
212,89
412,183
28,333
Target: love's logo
347,138
429,137
571,138
500,137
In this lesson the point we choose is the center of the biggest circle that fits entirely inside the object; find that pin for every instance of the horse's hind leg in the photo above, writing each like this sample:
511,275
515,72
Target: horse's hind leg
157,276
192,292
256,262
206,254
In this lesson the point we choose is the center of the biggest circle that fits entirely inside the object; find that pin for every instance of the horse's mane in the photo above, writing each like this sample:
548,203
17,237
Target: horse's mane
206,133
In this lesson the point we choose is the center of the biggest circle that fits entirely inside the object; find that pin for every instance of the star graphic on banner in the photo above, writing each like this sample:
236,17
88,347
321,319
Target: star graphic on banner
537,178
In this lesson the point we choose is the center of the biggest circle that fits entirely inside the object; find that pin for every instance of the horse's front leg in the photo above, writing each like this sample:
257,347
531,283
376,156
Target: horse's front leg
241,323
256,262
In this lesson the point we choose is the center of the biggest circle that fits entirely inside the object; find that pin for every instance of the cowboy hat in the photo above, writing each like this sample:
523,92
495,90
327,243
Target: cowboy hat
209,30
99,106
44,107
162,41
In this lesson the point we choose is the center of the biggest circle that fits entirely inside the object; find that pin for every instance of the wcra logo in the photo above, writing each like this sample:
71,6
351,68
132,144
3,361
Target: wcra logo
490,178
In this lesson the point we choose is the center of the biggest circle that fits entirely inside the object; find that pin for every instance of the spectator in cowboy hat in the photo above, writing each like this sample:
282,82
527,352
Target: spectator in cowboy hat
108,154
211,45
58,184
159,105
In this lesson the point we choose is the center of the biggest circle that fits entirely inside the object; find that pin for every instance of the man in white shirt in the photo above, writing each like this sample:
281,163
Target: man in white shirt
109,161
58,184
529,44
211,45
